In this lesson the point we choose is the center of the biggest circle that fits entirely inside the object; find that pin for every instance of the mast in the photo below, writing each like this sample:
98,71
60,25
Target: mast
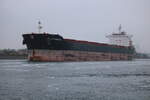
39,27
119,28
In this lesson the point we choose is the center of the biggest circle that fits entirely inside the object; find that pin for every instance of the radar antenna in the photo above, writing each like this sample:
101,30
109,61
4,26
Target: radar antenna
39,27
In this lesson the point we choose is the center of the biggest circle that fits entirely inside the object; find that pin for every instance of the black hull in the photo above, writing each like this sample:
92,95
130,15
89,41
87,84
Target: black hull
56,42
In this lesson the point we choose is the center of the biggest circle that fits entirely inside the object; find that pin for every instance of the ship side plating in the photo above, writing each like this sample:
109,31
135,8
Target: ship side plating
53,47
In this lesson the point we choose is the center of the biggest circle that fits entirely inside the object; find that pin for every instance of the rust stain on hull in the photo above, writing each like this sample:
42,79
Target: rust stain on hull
69,55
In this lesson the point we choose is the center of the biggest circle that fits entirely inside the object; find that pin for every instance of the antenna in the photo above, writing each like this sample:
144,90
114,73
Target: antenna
120,27
39,27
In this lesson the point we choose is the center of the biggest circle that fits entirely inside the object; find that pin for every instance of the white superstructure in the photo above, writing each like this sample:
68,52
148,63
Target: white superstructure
121,38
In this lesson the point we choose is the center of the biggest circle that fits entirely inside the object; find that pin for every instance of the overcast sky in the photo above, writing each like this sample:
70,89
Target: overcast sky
88,20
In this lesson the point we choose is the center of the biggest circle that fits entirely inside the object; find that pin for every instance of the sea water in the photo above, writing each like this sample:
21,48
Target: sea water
106,80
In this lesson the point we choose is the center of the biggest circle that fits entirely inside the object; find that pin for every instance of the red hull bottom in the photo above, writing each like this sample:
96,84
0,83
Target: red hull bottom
69,55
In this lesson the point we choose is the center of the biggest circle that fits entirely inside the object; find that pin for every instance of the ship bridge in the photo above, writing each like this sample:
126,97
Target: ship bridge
121,38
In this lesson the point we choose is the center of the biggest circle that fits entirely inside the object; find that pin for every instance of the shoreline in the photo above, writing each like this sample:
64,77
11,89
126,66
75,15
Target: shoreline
13,57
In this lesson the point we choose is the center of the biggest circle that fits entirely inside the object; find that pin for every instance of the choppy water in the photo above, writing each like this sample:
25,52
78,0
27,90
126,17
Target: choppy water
120,80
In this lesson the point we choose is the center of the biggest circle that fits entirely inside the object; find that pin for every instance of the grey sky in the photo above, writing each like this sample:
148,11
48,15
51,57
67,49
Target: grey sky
88,20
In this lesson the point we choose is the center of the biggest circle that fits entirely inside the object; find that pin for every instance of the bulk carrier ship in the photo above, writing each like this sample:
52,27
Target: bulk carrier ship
55,48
